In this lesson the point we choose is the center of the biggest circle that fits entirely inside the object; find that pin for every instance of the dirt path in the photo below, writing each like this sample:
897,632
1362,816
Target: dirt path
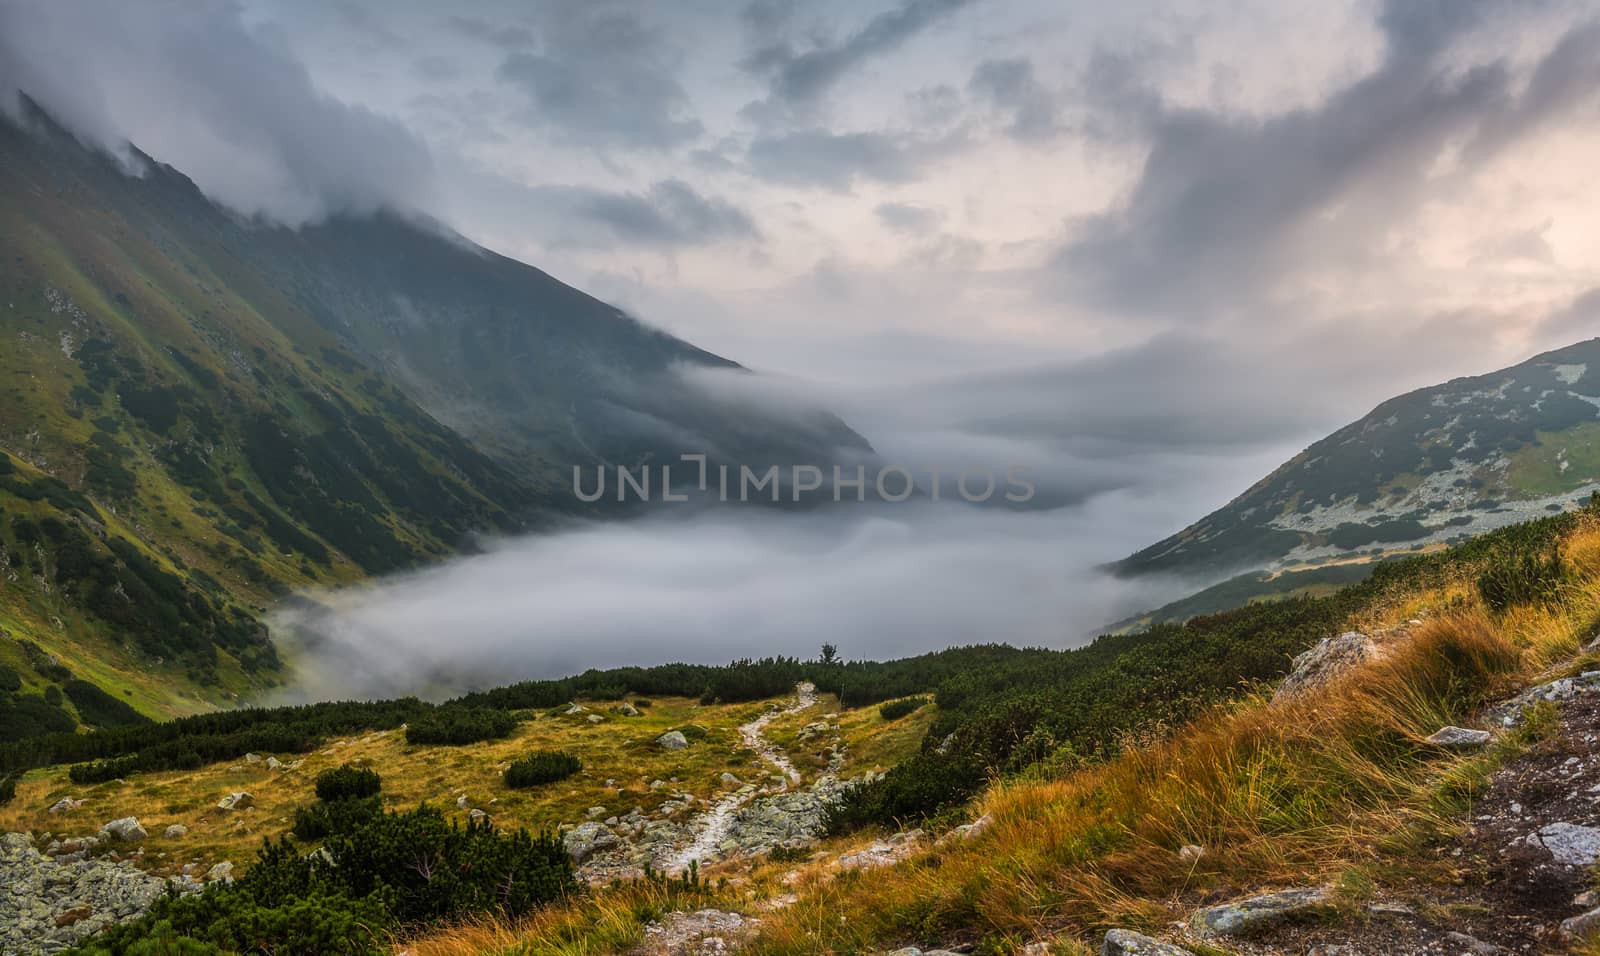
712,827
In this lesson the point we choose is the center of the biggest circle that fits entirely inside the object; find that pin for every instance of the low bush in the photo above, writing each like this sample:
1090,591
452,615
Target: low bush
544,766
895,709
347,782
454,726
340,816
1524,579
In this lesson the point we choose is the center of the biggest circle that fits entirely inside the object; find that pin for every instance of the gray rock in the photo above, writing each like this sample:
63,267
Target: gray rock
1472,945
1122,942
462,802
576,709
65,805
1582,926
1459,737
236,801
1509,714
1324,663
627,710
252,758
175,832
273,763
729,780
222,871
476,815
672,740
1259,912
585,839
126,829
1570,844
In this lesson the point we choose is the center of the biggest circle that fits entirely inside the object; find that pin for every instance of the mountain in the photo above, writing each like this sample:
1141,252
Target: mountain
199,412
1427,467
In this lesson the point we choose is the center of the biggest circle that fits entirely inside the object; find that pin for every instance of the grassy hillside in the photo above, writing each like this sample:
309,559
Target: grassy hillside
1428,467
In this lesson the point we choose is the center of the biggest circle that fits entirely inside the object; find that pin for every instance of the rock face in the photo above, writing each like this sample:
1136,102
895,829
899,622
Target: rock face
1122,942
1256,913
585,839
1320,665
48,905
1459,738
126,829
1569,843
672,740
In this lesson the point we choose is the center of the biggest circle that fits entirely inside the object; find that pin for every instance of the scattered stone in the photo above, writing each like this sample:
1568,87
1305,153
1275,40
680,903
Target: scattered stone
1509,714
222,871
1472,945
252,758
627,710
1459,737
462,802
576,709
594,718
175,832
1191,854
594,812
65,805
1570,844
699,933
1122,942
1322,664
236,801
882,853
273,763
126,829
586,838
48,905
477,816
672,740
729,780
1259,912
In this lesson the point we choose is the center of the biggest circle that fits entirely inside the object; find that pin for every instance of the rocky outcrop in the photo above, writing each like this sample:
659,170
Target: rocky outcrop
701,933
1122,942
585,839
1509,714
1325,662
1568,843
1256,913
883,852
48,904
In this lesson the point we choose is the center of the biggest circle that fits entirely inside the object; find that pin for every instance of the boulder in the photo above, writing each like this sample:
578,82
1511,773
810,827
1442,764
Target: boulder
273,763
576,709
222,871
477,816
252,758
583,840
236,801
1460,738
1256,913
1570,844
126,829
65,805
1123,942
462,802
594,718
1582,926
175,832
729,780
672,740
627,710
1322,664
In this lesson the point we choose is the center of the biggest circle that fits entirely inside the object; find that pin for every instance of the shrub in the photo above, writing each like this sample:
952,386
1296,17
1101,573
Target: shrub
544,766
895,709
341,816
99,709
8,789
347,782
389,872
455,726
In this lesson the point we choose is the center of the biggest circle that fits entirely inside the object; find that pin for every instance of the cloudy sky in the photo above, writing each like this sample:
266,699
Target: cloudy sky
1170,241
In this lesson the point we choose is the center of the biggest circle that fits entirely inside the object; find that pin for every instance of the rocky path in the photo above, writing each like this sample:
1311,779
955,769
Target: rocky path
712,827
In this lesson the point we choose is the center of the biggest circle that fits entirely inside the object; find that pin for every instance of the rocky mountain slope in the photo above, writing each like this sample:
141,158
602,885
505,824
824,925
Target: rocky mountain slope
199,412
1431,466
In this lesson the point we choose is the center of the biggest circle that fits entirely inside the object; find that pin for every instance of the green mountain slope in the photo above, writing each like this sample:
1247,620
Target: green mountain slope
198,413
1430,466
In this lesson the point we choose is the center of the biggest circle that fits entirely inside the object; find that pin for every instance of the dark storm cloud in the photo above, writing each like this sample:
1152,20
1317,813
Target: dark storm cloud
1578,321
798,77
509,37
192,85
1009,86
908,218
820,157
602,77
670,213
1226,206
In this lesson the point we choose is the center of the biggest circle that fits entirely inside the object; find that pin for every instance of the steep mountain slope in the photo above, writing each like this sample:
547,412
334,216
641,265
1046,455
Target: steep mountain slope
198,413
1430,466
